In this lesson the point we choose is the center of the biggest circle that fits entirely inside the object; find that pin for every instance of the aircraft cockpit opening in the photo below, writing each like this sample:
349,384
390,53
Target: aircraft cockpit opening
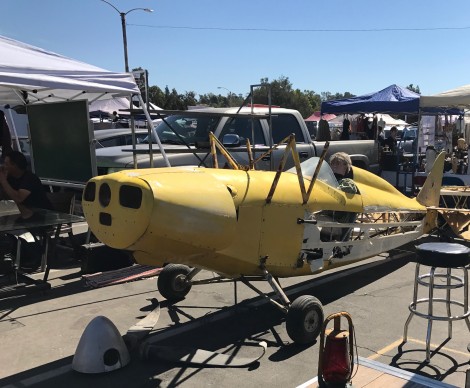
308,168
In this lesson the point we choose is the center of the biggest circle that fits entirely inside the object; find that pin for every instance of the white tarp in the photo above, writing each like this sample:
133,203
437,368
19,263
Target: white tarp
389,120
34,74
455,98
111,105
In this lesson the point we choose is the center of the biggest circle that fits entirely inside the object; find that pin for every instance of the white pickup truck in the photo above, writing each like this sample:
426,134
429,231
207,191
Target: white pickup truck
185,138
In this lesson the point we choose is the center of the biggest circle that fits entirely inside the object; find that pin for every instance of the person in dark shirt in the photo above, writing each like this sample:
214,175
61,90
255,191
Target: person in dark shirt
391,140
346,129
22,186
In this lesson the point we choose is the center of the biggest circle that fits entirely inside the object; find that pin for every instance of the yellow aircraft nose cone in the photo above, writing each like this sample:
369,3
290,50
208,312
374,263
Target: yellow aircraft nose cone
117,212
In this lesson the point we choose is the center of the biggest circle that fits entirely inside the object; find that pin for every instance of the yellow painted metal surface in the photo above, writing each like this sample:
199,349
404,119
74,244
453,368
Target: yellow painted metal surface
128,225
376,192
218,219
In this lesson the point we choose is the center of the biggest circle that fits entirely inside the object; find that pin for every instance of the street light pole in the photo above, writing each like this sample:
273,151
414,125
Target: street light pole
124,40
124,33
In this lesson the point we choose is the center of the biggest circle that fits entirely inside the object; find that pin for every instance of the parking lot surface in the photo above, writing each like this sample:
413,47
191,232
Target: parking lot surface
39,333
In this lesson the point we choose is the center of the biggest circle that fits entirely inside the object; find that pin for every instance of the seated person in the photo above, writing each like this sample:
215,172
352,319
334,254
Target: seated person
26,190
341,165
22,186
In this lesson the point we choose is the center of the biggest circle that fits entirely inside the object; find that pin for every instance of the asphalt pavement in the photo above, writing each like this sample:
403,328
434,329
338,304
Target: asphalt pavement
39,333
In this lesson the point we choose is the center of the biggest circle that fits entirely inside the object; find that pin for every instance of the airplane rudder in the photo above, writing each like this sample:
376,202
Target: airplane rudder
430,192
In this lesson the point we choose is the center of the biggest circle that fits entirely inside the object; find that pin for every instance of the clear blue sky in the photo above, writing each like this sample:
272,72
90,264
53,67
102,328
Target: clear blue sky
358,46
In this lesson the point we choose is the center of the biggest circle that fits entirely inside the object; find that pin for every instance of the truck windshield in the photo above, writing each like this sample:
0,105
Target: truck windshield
308,169
191,129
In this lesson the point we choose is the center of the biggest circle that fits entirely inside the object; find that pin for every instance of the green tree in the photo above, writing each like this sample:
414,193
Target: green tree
414,88
327,96
314,99
189,99
156,96
284,95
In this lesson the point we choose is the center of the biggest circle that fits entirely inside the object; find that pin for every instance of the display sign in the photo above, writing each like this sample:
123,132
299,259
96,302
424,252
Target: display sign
61,137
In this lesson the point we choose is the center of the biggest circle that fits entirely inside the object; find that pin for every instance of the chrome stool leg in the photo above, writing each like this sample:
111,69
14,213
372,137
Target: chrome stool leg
449,314
465,297
412,305
430,311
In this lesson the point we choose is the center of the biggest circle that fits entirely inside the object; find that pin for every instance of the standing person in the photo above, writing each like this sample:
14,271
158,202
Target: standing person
323,133
391,140
381,124
114,119
346,129
380,136
22,186
6,136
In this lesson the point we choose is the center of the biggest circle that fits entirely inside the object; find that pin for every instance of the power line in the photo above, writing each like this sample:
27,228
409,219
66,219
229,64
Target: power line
301,30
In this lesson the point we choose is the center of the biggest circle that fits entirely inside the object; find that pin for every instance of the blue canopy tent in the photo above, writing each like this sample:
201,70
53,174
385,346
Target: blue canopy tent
393,99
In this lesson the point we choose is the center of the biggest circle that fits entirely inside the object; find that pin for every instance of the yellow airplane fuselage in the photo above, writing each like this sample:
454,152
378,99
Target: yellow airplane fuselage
219,219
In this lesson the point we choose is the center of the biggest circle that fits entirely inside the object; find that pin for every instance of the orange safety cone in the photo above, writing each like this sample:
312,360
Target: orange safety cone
336,356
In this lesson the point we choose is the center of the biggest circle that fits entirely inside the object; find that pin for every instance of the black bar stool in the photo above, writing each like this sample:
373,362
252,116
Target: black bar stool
440,255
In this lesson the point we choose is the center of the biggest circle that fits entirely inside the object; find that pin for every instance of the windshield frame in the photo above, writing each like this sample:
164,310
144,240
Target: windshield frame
308,168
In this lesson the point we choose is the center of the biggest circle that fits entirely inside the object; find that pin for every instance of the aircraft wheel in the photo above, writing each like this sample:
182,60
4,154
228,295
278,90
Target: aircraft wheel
173,283
304,319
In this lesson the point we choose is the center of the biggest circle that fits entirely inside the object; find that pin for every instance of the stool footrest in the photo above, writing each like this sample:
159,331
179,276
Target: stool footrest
459,282
412,307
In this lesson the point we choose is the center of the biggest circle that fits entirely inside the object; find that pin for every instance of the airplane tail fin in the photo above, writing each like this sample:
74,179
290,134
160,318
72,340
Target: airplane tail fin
430,192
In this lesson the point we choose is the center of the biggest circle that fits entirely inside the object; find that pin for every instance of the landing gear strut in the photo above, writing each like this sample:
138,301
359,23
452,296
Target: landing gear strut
304,316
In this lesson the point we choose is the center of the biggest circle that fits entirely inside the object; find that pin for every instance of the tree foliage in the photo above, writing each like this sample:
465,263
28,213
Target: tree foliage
282,94
414,88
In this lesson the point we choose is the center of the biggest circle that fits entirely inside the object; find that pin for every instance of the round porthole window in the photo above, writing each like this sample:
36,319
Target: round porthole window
105,195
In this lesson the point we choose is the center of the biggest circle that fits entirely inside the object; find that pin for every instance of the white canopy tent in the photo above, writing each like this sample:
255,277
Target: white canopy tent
458,98
31,75
455,98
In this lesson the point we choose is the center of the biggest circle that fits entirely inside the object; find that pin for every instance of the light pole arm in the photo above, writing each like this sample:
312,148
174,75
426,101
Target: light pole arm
136,9
107,2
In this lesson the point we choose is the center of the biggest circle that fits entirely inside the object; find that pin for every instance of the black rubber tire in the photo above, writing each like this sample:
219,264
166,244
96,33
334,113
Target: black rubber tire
304,319
172,282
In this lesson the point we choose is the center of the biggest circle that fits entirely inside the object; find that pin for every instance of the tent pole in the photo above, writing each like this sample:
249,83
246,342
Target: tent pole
134,155
417,150
14,129
150,126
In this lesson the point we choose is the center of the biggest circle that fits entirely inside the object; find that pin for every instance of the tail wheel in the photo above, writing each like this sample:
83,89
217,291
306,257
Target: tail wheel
304,319
173,282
